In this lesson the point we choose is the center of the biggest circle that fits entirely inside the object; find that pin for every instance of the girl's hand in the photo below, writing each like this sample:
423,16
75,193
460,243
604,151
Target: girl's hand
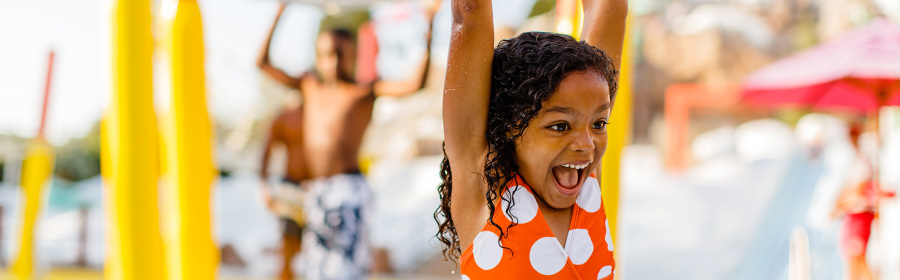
467,88
604,26
266,195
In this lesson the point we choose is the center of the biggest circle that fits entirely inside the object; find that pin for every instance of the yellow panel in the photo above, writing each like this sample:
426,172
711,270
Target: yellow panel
577,20
619,137
36,169
134,243
191,252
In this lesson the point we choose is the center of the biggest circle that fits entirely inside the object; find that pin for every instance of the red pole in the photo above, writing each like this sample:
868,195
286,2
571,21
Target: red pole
366,54
46,95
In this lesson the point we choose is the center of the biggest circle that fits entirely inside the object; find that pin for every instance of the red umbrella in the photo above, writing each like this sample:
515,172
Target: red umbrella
859,71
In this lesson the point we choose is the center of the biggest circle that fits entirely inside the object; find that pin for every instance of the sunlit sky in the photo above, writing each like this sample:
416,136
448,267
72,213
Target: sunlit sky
234,29
29,30
78,32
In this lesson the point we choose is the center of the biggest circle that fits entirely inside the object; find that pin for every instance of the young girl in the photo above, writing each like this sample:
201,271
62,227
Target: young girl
525,128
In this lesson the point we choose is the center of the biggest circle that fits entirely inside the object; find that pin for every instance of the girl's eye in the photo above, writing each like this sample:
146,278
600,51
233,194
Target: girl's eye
559,127
600,125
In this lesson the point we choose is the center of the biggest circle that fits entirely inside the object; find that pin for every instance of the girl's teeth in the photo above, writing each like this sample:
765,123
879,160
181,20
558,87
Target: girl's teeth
575,166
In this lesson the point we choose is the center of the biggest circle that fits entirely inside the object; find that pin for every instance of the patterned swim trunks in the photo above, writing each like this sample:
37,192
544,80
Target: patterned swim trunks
335,241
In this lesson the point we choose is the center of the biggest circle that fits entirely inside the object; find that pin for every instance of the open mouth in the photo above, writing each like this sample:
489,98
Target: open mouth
569,176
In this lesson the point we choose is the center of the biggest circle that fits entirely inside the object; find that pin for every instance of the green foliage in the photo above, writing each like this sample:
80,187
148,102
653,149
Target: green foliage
79,158
541,7
349,20
12,148
791,116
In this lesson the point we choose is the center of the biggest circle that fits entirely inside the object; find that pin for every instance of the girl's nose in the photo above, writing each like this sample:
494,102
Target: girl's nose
584,141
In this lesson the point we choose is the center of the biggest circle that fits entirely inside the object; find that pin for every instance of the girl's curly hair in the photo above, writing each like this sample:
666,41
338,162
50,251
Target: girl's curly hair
526,70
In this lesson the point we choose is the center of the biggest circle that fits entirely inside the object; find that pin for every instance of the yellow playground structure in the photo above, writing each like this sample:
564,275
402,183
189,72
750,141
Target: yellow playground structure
146,159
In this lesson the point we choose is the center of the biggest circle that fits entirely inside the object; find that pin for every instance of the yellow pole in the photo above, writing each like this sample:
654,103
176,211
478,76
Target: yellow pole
578,20
619,137
36,169
105,157
134,243
191,253
569,21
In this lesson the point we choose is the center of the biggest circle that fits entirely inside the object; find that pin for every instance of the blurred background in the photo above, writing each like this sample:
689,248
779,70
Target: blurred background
735,139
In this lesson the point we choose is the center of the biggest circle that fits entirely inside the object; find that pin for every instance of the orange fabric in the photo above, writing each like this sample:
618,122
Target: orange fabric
534,252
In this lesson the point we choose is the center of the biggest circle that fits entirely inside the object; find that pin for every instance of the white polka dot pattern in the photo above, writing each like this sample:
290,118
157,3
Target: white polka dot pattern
590,199
582,252
547,256
604,272
609,244
486,250
579,246
525,207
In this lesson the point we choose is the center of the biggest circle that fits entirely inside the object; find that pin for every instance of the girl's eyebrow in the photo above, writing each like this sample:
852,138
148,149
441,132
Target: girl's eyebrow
570,111
604,107
560,109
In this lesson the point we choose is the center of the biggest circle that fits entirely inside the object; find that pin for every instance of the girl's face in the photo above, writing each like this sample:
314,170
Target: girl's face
564,143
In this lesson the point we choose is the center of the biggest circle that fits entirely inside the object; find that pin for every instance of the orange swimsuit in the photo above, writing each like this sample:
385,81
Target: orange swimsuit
536,253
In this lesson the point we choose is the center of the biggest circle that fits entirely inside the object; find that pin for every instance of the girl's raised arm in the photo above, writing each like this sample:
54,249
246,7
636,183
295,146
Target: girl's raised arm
465,109
468,81
604,26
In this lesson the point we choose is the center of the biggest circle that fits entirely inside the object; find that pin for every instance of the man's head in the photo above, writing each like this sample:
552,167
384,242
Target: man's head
335,55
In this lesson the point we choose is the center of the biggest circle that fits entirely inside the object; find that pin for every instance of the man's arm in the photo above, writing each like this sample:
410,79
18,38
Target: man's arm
604,26
271,139
417,81
263,62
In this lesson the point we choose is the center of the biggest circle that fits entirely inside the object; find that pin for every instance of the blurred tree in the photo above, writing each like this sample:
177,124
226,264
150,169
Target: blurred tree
12,148
79,158
349,20
541,7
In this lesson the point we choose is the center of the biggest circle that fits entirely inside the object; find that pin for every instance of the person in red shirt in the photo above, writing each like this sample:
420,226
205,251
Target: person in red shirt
858,205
